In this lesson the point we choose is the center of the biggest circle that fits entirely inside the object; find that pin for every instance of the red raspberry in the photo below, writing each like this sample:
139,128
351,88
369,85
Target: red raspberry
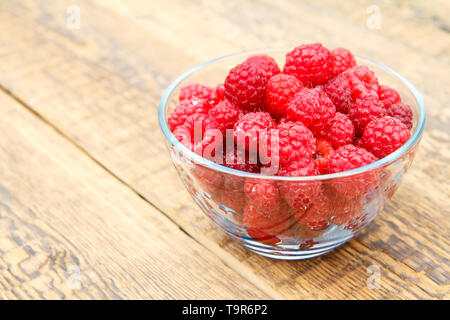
199,123
266,63
220,92
339,91
350,157
401,112
208,179
388,96
225,115
198,91
299,194
262,193
292,142
318,215
346,211
247,130
238,159
182,111
183,135
384,135
341,130
265,224
280,90
361,79
313,108
363,110
310,63
343,60
245,86
324,150
209,145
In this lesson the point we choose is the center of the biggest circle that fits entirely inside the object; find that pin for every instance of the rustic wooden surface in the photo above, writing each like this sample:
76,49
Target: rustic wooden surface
90,206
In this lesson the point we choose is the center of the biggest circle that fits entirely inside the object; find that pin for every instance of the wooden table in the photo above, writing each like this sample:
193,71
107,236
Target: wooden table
90,205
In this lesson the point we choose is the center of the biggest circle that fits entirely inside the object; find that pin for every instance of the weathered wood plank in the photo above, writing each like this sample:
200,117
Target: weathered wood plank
99,85
68,229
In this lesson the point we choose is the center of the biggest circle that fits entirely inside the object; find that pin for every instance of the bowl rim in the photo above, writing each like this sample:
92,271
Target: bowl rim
412,141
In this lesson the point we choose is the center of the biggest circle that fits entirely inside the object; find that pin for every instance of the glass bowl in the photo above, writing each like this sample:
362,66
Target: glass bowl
352,198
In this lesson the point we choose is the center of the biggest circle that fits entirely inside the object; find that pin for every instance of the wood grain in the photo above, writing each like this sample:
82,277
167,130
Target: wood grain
99,87
62,215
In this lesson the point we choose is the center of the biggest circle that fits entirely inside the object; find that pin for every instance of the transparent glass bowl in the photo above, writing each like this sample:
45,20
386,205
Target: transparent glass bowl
353,198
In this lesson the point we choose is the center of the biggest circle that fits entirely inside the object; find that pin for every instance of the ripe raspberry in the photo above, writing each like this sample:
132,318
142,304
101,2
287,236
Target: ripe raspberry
238,159
210,146
198,91
266,63
245,86
343,60
350,157
199,123
364,110
324,150
209,180
401,112
280,90
265,224
225,115
313,108
262,193
289,142
220,92
299,195
339,91
318,215
341,130
232,199
384,135
388,96
247,129
183,135
361,79
182,111
310,63
346,211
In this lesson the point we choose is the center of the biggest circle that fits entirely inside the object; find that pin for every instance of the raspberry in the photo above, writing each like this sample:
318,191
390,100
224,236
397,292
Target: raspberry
262,193
198,91
401,112
350,157
361,79
384,135
225,115
245,86
388,96
280,90
247,130
182,111
183,135
265,63
237,159
313,108
343,60
310,63
317,216
341,130
199,123
346,211
339,91
299,194
294,143
324,150
264,224
209,180
220,92
364,110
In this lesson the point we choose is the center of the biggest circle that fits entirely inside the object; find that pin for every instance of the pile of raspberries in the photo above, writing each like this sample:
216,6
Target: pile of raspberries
320,114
